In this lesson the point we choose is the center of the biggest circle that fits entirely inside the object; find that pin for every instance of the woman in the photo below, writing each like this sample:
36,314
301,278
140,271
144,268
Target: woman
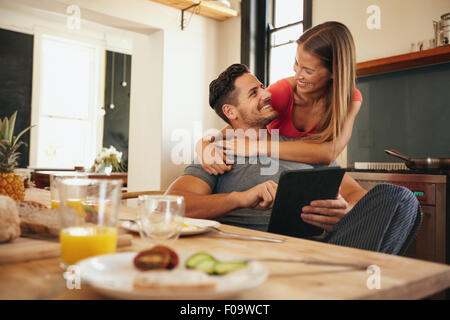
318,104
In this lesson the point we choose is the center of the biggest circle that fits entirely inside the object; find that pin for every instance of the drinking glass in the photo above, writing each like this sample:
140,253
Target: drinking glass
161,218
88,210
54,178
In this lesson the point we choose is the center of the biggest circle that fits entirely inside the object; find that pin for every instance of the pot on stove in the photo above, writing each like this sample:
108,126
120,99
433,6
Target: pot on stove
422,163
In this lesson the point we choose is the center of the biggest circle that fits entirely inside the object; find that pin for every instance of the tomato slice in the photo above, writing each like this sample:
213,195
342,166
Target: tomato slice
158,257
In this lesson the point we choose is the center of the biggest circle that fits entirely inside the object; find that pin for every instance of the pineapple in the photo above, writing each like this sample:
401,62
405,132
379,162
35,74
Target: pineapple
11,184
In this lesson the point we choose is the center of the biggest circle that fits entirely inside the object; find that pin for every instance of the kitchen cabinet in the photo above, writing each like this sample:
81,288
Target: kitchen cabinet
431,243
404,61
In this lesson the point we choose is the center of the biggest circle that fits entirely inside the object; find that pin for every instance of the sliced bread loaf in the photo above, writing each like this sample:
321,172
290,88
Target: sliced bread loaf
9,220
37,218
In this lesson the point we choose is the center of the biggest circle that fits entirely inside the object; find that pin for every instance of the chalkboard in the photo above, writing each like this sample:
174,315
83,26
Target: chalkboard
16,67
406,110
116,120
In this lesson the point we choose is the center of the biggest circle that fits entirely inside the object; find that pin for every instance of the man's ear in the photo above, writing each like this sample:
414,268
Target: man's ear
230,111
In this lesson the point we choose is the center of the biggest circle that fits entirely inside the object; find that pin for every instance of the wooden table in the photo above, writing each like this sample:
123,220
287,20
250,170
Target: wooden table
41,179
400,277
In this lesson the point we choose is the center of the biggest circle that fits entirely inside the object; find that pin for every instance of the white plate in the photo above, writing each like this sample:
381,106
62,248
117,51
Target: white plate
113,275
191,227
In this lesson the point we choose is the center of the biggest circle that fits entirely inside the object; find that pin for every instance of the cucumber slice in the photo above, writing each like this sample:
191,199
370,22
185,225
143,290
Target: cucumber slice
206,265
195,259
227,267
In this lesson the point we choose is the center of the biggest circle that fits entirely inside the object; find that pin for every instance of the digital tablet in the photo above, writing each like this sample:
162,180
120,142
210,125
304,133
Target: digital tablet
296,189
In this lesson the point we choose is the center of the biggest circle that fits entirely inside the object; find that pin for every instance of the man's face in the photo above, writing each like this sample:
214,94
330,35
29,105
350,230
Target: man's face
253,103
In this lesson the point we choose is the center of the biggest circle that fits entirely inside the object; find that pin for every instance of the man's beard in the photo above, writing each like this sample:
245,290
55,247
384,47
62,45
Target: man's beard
258,121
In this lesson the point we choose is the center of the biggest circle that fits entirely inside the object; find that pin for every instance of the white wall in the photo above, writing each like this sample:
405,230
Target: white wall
191,59
402,22
186,102
229,52
171,71
145,131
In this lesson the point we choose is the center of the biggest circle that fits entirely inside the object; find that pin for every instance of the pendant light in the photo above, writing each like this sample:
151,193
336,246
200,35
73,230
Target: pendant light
112,106
124,77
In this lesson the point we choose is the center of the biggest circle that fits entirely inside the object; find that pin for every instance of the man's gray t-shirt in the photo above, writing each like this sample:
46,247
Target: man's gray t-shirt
245,174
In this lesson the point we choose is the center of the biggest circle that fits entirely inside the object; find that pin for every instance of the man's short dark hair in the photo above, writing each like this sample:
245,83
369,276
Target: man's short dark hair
222,89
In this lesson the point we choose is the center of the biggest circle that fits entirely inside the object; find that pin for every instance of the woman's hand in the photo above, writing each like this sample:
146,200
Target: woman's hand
245,147
326,214
212,159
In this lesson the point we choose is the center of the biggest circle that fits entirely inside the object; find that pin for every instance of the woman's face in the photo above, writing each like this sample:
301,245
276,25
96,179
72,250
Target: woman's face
310,73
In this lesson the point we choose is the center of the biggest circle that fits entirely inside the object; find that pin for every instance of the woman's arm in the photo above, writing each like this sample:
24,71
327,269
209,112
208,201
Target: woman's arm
213,160
310,152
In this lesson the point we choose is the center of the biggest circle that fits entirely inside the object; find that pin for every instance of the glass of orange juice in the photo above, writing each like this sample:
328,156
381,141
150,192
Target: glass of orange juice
88,209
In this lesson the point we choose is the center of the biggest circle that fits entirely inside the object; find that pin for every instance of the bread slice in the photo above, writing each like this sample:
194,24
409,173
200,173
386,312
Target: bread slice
9,220
173,280
36,218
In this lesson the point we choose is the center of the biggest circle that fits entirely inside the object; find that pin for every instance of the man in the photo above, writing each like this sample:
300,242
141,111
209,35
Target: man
380,220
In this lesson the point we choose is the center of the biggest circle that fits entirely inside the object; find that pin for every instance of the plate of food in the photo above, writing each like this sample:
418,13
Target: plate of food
191,226
162,273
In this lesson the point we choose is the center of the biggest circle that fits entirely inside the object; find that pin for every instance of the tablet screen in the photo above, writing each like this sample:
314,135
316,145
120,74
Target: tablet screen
296,189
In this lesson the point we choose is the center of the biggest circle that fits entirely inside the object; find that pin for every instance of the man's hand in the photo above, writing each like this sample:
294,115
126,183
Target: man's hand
260,196
326,213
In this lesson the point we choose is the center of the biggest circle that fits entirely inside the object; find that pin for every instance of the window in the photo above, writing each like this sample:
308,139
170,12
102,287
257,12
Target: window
67,116
288,19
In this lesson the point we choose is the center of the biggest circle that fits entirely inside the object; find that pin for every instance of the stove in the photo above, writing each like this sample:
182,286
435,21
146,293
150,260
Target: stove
432,189
392,167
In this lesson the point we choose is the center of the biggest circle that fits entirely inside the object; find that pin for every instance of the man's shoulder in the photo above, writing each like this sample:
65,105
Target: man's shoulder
196,170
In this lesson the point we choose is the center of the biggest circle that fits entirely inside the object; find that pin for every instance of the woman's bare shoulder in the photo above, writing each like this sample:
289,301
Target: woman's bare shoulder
291,81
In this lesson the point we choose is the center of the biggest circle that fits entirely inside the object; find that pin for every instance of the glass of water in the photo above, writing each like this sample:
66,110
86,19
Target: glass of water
161,218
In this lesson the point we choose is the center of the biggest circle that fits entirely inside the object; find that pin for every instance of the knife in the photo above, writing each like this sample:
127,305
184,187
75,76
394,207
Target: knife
316,262
244,236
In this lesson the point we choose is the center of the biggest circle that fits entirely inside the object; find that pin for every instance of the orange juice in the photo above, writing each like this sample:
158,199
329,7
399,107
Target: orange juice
78,243
55,204
73,203
76,205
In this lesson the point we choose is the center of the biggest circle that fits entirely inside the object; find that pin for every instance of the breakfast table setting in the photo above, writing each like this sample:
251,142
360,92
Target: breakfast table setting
208,260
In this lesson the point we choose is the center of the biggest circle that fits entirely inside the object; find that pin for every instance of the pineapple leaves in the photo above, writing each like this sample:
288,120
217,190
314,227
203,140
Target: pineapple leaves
4,129
12,123
10,143
7,130
21,133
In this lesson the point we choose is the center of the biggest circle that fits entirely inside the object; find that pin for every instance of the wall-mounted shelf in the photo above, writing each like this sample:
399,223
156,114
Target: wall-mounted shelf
404,61
207,9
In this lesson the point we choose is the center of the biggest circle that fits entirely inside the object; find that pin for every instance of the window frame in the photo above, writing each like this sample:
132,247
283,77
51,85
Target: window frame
306,22
96,121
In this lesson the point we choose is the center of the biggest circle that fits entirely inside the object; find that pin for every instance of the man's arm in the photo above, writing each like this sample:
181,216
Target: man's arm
351,191
200,203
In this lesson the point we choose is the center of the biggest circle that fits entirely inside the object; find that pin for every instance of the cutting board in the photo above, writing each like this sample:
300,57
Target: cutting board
27,249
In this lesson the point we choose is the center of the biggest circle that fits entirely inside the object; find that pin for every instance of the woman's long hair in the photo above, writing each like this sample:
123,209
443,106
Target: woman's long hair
333,44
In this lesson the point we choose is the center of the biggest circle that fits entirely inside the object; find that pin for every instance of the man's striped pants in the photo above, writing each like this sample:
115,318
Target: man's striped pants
386,220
